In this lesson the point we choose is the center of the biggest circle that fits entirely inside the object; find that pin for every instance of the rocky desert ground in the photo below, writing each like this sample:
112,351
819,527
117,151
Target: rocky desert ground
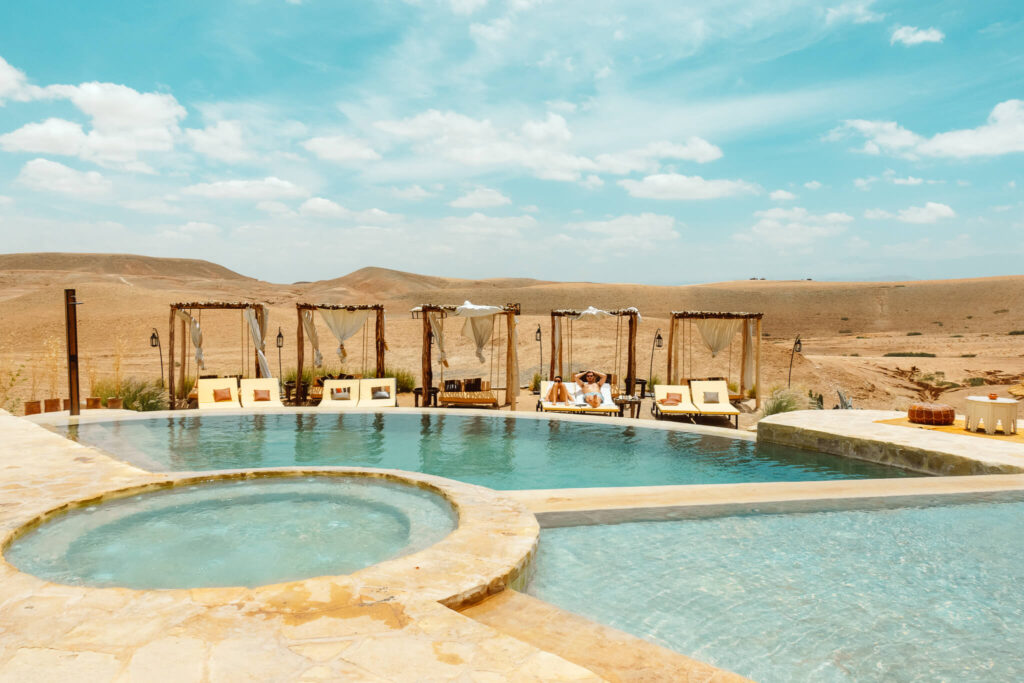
973,327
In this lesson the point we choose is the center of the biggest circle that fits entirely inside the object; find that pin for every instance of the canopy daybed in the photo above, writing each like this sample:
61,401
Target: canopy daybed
716,332
630,315
344,321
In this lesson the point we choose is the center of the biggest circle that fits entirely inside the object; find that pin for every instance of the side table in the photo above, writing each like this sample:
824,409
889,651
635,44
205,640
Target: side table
634,406
990,412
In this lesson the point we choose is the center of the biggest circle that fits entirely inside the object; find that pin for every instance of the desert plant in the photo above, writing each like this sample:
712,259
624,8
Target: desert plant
909,354
405,380
734,388
956,336
10,378
968,355
185,387
1001,310
1016,332
653,382
120,345
53,356
913,334
975,381
137,394
817,401
535,382
845,331
782,401
90,373
844,318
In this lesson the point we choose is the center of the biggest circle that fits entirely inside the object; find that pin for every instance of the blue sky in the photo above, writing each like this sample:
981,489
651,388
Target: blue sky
659,142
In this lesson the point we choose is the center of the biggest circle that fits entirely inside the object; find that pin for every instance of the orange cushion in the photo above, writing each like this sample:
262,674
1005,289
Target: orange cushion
261,394
221,395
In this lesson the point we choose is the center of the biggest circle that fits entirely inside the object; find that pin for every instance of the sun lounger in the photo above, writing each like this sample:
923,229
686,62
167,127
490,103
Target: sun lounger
340,394
261,393
371,393
665,406
465,393
576,402
712,398
217,394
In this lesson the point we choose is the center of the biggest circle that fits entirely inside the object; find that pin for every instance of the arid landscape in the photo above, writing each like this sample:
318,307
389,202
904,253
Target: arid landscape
847,328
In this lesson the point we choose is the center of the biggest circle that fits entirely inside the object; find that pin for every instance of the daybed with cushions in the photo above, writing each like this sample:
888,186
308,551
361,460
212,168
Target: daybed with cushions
217,393
468,392
261,393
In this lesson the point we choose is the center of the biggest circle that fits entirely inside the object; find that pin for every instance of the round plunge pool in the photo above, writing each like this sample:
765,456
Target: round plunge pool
235,532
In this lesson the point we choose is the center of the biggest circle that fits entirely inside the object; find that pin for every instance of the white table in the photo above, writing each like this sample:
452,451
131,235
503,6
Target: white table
989,412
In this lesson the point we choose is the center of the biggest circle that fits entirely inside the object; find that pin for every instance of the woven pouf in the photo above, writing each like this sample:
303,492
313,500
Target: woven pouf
931,414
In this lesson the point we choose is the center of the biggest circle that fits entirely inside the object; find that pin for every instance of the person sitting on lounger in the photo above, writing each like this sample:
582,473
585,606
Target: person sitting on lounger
558,392
591,382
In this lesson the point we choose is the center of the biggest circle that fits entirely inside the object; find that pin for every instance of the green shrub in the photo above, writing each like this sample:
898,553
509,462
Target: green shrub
405,380
10,378
913,334
535,382
909,354
845,331
137,394
783,401
1001,310
975,381
1016,332
956,336
968,355
652,382
844,318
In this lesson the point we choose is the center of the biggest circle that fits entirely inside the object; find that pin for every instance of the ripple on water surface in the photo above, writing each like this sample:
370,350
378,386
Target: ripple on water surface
235,533
905,594
494,451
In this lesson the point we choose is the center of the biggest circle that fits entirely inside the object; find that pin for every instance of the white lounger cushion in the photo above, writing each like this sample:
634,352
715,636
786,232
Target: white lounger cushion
205,388
661,392
698,389
328,401
249,387
366,394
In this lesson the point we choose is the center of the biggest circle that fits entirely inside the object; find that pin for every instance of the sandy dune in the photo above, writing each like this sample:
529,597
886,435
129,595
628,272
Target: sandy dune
847,328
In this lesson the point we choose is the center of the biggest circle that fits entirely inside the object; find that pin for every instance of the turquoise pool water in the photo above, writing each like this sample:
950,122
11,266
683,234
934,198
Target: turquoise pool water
497,452
905,594
235,533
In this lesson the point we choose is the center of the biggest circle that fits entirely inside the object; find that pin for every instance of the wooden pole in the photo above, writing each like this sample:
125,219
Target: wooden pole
380,342
671,349
757,378
511,371
300,351
426,371
631,356
561,347
743,357
71,328
551,374
170,363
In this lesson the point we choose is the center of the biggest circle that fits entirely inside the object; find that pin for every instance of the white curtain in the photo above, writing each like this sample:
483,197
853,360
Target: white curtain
479,325
749,359
592,313
718,332
259,334
435,327
343,324
197,337
310,327
557,338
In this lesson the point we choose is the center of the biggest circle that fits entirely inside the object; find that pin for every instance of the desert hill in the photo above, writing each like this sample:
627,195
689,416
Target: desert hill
847,327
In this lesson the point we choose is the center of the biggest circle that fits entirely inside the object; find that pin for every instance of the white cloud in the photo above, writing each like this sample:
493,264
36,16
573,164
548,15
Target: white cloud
481,198
413,193
341,148
1003,133
5,200
483,226
794,227
782,196
812,185
909,180
52,136
274,208
191,231
931,212
151,205
646,232
466,6
912,35
319,207
267,188
857,11
221,141
12,81
51,176
676,186
592,182
492,32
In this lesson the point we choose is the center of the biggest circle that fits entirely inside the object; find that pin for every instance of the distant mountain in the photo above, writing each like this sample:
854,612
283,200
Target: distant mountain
119,264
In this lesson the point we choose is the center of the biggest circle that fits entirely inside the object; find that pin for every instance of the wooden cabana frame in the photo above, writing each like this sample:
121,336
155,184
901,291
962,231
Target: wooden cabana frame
632,316
747,318
202,306
510,311
300,344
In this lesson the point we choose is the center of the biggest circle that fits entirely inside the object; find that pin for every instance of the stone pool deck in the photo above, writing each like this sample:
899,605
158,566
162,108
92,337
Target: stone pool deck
396,620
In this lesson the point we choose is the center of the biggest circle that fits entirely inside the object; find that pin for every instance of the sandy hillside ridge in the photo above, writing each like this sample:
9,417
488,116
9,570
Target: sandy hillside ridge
847,328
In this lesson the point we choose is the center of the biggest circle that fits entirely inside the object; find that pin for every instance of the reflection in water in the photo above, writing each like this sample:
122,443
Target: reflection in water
496,451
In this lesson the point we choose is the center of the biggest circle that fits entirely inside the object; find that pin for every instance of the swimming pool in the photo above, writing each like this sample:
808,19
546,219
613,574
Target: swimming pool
904,594
494,451
235,533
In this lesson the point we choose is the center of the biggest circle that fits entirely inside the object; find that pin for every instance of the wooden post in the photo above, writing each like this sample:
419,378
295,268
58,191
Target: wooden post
300,352
170,362
671,348
71,328
426,371
181,375
511,369
561,347
380,342
743,356
551,374
757,376
631,355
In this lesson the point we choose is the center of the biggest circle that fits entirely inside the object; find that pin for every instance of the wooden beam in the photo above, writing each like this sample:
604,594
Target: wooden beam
551,374
170,362
671,350
631,354
300,353
705,315
71,328
757,375
426,371
381,345
511,370
743,357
